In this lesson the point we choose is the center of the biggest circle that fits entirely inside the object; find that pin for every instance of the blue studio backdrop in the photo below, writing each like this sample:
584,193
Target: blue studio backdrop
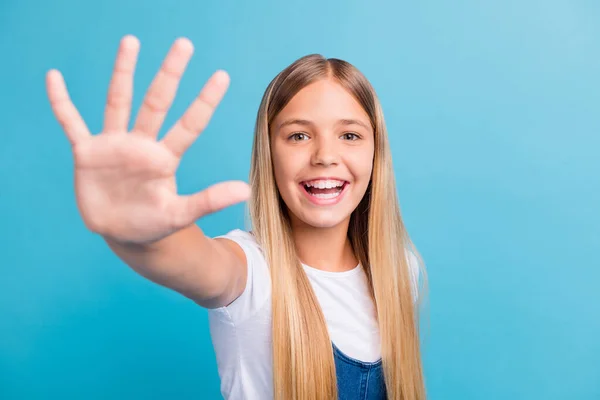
493,109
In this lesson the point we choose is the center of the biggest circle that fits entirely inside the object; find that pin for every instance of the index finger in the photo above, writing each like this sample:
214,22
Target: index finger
64,109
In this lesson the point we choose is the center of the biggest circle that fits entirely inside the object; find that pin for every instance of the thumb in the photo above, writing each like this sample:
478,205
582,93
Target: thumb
212,199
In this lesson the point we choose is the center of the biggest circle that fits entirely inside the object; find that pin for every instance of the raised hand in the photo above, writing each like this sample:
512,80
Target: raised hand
125,181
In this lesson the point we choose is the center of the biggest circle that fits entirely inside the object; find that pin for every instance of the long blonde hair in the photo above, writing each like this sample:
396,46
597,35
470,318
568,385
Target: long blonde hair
303,363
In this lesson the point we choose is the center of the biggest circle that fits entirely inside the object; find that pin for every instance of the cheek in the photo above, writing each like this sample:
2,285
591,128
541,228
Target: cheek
280,177
361,165
279,164
285,168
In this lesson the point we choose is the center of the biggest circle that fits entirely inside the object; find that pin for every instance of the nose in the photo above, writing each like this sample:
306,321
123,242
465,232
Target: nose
325,152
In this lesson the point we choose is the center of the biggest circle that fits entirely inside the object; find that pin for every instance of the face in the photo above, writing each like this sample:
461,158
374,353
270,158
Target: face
322,149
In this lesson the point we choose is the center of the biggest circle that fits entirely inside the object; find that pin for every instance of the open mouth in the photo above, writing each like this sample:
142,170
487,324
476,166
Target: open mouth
325,191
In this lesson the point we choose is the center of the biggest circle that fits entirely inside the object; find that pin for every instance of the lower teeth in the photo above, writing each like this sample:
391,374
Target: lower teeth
326,195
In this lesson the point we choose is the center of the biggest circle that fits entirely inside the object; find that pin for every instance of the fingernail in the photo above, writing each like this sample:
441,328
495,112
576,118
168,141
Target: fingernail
221,77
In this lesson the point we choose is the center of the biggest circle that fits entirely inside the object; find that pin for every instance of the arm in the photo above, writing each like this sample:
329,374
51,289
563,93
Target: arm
211,272
125,182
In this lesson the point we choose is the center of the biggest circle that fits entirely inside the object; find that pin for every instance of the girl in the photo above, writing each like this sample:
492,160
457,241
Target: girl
317,300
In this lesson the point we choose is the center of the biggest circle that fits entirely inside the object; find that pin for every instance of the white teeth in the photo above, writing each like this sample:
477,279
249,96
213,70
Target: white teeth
327,184
326,195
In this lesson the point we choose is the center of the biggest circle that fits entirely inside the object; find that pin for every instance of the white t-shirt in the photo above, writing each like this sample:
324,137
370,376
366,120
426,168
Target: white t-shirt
241,331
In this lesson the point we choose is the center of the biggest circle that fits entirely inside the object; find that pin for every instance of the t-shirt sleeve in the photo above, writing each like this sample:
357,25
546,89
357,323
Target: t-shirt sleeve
414,270
258,280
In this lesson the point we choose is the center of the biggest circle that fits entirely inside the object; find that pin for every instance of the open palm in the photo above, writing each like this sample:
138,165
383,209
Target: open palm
125,181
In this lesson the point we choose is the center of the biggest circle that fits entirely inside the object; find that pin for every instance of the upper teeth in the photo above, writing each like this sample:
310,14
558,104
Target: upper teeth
321,184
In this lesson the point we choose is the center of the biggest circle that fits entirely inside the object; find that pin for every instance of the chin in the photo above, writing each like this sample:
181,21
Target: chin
322,220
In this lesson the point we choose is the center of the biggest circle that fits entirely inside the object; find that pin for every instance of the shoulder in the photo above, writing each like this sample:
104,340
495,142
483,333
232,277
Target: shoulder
253,290
413,263
246,243
238,235
414,270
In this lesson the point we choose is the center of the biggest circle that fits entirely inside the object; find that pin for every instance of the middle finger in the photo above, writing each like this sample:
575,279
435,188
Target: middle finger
162,91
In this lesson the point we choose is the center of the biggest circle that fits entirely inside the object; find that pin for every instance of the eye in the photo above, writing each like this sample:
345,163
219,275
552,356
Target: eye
350,136
298,136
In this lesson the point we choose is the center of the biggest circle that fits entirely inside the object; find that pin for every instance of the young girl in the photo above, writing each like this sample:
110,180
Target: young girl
317,300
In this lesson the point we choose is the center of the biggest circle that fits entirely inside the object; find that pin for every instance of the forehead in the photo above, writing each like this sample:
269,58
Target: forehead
324,101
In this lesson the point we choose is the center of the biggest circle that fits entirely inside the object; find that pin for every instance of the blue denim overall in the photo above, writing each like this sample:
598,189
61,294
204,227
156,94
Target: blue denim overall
358,380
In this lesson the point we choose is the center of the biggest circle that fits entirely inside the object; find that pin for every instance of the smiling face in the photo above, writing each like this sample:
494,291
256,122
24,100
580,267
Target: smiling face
322,150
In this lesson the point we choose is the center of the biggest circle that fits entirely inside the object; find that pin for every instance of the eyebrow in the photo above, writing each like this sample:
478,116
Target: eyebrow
305,122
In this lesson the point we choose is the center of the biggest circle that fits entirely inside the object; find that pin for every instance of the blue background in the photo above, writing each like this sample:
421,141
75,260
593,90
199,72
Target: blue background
493,113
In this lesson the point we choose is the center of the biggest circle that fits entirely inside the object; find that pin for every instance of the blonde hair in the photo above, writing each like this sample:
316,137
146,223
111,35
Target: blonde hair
303,363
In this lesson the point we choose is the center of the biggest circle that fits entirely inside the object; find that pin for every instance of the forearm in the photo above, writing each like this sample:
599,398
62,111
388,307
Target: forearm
186,261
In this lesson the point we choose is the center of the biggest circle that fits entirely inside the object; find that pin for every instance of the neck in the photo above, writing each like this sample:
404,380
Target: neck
327,249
